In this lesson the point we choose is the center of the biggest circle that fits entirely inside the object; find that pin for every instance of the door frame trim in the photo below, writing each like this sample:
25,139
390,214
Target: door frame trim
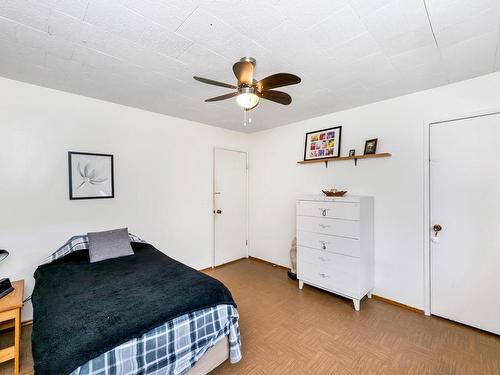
427,194
213,199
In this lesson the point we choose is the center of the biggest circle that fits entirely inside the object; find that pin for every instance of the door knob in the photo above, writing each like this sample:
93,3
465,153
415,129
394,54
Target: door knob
437,228
218,212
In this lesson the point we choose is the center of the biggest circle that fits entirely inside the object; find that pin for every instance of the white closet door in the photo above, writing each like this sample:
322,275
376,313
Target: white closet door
230,205
465,201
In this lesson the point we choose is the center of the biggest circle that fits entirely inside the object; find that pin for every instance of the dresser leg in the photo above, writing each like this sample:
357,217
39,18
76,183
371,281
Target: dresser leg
301,284
356,304
369,294
17,337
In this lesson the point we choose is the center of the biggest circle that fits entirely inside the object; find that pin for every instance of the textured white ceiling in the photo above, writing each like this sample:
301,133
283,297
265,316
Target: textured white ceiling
143,53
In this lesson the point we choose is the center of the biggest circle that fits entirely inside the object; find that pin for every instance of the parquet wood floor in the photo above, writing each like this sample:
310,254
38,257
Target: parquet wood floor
288,331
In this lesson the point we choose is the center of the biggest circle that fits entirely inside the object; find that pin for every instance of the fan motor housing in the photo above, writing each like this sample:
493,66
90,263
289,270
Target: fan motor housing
249,59
247,90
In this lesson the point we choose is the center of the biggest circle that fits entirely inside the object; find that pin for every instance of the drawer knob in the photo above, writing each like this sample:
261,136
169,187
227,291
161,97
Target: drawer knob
323,212
323,244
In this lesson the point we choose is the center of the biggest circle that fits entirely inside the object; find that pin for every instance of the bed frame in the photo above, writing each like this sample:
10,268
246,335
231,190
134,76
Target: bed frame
214,357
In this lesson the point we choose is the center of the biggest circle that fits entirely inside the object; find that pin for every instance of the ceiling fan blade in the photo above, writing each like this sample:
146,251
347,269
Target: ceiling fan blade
222,97
277,80
243,70
276,96
216,83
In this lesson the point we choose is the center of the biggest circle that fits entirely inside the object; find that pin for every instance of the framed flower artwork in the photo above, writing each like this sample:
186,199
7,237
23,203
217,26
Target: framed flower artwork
322,144
90,175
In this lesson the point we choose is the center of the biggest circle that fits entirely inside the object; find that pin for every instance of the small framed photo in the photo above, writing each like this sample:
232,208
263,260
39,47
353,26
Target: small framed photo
90,175
371,146
322,144
352,152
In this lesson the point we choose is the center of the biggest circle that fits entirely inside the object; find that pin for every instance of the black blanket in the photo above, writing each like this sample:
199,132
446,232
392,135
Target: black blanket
84,309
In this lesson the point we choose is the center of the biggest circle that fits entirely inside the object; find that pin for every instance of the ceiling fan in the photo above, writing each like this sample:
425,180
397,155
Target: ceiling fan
249,91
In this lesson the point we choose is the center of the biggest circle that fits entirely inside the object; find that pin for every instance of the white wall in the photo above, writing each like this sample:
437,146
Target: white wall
163,176
396,183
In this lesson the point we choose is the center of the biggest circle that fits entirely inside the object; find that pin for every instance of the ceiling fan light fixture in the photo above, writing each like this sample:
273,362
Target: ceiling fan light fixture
248,91
247,98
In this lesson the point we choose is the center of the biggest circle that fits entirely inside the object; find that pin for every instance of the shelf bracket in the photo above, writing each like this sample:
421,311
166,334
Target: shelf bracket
326,163
355,162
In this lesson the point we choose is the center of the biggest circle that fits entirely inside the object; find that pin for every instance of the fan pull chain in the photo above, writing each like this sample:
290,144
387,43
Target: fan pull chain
245,121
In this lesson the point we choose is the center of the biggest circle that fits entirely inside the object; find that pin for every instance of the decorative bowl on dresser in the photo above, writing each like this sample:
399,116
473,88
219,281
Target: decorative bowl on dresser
335,244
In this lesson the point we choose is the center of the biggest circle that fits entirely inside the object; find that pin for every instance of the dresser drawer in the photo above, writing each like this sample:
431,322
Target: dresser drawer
332,244
323,258
336,227
332,210
335,272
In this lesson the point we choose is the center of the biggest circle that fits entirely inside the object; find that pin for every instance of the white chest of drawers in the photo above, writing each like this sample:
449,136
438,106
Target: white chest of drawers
335,244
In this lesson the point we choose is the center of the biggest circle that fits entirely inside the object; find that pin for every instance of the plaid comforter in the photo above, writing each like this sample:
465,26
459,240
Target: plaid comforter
172,348
76,243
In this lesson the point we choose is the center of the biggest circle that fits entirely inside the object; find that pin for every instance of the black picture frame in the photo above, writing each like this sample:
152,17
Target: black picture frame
352,152
370,146
309,139
70,174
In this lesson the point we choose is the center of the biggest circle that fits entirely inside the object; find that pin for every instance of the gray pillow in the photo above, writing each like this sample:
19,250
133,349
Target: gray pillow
110,244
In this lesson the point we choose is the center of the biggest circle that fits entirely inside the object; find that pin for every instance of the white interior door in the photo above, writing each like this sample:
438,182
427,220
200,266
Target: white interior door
230,205
465,201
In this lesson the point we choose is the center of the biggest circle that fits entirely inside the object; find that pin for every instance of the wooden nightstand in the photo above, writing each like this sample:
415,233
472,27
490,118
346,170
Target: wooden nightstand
10,316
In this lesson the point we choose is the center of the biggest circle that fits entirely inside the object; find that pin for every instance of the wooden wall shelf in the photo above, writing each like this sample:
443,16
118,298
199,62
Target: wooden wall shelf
355,158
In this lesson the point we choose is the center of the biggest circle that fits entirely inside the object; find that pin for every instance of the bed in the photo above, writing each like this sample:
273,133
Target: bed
140,314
